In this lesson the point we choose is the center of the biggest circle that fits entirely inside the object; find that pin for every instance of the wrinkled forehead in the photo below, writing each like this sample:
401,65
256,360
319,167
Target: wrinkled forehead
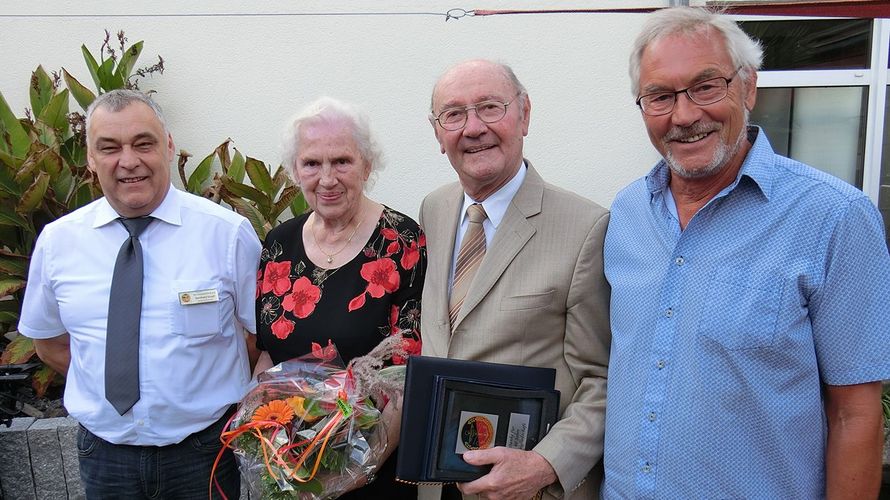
472,83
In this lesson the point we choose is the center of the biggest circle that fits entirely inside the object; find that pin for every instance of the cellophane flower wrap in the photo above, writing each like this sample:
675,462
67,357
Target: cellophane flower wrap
311,428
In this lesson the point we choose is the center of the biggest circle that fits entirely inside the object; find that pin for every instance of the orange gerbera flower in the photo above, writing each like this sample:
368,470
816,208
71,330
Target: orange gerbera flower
276,411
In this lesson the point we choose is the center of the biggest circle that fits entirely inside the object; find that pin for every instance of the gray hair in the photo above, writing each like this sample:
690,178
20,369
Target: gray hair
118,99
745,52
328,109
518,87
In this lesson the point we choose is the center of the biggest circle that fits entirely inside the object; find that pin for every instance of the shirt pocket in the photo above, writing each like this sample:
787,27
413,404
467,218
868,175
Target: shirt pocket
527,301
741,309
195,320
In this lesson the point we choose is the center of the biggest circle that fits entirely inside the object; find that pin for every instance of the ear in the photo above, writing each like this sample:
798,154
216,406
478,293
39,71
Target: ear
526,114
751,90
90,161
436,132
171,148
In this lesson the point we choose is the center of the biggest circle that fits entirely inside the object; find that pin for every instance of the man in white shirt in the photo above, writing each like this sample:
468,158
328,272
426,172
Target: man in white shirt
192,365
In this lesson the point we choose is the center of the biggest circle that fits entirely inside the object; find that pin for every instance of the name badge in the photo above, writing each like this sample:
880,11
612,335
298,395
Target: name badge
198,297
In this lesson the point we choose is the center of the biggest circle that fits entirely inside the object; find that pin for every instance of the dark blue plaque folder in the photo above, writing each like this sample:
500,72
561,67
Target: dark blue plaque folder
455,405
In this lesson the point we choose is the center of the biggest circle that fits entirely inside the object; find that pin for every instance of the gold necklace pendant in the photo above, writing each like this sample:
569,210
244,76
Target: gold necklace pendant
330,256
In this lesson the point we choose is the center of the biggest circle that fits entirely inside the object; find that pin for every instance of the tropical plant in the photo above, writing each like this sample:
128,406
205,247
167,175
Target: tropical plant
44,175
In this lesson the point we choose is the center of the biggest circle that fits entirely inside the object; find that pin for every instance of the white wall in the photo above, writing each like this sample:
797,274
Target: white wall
242,75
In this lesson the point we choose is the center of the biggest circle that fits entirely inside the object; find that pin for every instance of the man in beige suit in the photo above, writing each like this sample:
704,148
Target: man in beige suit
536,297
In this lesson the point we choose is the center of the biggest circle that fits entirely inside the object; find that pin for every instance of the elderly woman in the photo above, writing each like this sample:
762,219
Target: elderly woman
350,271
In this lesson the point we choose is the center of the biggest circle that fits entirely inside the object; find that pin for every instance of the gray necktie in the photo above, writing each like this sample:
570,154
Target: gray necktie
124,312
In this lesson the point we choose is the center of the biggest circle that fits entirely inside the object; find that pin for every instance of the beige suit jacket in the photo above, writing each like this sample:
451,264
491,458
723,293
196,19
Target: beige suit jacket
539,298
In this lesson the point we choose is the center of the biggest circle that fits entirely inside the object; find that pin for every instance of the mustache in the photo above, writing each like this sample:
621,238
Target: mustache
680,133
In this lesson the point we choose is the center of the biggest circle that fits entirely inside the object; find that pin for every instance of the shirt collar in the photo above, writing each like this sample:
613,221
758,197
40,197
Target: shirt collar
496,205
758,166
168,211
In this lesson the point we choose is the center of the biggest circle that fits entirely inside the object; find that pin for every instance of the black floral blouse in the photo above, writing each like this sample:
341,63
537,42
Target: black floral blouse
303,308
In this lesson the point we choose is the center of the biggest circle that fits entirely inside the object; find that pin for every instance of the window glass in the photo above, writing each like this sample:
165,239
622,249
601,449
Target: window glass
813,44
884,192
820,126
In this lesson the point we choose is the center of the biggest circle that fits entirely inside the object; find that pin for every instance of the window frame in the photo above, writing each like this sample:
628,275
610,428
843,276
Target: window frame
874,79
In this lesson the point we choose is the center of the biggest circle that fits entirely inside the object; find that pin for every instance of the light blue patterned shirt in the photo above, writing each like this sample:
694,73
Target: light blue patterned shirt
723,333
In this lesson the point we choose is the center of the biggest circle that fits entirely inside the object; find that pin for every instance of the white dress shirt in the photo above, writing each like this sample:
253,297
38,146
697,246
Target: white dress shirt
192,357
495,207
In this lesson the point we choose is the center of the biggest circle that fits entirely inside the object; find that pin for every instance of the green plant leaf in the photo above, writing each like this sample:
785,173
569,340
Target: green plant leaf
53,164
251,213
107,77
200,175
14,264
284,201
236,169
55,114
40,91
13,138
83,194
82,95
128,61
9,317
62,184
279,179
92,66
10,285
222,152
259,176
298,205
7,176
19,351
42,379
8,217
33,196
262,202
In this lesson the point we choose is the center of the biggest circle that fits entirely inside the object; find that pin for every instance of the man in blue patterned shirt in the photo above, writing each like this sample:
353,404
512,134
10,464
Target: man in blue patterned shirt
750,295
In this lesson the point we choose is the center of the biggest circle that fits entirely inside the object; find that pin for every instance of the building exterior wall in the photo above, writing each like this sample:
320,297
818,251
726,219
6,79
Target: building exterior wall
240,69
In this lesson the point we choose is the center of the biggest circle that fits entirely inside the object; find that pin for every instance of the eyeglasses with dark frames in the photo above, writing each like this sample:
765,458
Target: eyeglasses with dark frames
453,119
702,93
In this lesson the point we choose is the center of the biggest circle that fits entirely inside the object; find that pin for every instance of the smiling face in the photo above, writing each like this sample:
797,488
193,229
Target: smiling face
331,170
484,155
130,154
697,141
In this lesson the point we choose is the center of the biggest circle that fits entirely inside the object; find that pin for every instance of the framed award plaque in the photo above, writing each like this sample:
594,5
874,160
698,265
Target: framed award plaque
472,415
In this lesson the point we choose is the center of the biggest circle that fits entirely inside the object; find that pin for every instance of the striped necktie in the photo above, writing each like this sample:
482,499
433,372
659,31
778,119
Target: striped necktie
472,250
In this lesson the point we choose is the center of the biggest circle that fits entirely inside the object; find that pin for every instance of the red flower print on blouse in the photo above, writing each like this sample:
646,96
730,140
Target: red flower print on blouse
259,283
324,353
282,328
382,277
392,248
394,320
410,256
302,299
389,233
277,277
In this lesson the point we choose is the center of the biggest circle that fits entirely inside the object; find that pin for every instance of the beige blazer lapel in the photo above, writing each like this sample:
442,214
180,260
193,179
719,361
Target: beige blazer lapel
512,234
439,220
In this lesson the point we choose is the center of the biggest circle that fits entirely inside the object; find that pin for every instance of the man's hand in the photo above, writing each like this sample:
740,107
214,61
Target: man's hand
515,474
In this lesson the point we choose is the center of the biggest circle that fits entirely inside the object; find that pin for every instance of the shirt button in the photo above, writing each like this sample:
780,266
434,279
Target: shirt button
646,468
660,364
140,422
669,313
679,261
651,416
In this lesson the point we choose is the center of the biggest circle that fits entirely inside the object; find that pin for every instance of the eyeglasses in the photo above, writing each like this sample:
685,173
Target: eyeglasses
487,111
702,93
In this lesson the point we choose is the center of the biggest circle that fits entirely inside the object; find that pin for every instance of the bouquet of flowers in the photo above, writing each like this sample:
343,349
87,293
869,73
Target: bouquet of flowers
311,428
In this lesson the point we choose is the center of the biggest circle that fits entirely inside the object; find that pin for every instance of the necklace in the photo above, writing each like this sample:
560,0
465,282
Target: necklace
330,256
